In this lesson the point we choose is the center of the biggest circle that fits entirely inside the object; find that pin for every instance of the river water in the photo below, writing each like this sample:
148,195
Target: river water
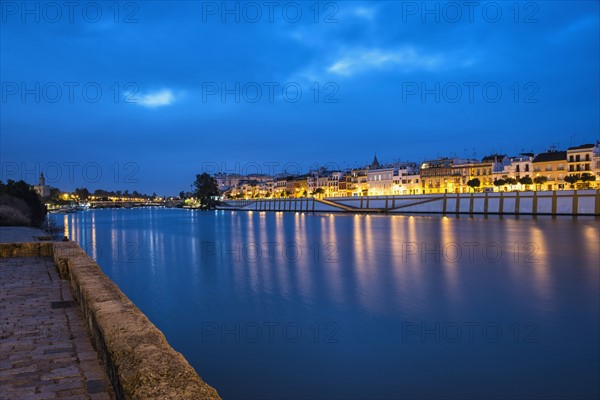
300,305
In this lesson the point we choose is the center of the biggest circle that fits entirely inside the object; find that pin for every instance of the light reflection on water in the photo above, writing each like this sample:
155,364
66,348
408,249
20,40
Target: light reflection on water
372,277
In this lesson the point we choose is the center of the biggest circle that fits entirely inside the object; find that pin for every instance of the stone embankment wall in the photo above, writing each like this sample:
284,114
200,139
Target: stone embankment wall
566,202
139,361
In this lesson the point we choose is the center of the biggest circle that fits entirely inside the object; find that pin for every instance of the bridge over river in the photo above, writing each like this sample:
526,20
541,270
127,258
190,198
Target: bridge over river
131,204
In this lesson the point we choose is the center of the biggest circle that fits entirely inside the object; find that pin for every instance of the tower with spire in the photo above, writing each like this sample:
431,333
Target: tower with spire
42,189
375,164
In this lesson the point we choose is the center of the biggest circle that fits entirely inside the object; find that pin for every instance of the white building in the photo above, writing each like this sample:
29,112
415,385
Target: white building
519,166
380,181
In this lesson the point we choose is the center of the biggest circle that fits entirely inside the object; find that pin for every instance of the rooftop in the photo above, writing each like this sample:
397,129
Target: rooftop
583,146
493,158
551,156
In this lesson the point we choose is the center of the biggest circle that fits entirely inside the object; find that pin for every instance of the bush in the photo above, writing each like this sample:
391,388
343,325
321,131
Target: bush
12,217
20,197
19,205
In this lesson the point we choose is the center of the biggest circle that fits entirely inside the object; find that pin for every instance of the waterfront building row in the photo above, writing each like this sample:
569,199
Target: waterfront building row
575,168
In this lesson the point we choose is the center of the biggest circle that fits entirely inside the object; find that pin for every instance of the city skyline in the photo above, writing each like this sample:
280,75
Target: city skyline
144,101
575,160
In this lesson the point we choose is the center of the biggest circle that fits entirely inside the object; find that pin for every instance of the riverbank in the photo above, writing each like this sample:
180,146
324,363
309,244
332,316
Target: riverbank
45,349
136,357
565,202
21,234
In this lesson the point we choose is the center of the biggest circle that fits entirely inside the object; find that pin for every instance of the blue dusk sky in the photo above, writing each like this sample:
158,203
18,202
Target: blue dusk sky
144,95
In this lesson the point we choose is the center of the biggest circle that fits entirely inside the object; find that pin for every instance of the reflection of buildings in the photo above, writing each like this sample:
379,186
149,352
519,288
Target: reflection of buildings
42,189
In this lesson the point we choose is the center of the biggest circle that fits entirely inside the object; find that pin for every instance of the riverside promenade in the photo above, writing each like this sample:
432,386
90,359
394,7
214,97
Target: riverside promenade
562,202
69,332
45,349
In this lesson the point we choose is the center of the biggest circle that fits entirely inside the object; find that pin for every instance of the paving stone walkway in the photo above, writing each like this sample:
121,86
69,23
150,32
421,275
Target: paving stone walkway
45,350
19,234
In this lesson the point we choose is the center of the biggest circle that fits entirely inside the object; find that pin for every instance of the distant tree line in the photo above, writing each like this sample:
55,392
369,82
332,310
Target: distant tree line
84,194
20,205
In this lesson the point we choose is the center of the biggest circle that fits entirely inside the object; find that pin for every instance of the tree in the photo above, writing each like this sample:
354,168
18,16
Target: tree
474,183
182,195
23,195
587,177
499,182
572,179
205,187
511,181
82,193
54,195
526,180
319,191
100,193
540,180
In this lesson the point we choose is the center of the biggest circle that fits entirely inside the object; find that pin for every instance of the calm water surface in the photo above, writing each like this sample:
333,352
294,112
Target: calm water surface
293,305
